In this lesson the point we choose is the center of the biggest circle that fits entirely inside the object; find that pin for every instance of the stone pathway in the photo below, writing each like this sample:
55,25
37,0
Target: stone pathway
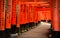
39,32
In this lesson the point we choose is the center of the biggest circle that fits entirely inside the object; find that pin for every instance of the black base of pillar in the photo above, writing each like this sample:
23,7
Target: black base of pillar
49,21
8,33
31,24
56,34
35,24
2,34
38,22
27,26
22,28
13,29
43,20
17,30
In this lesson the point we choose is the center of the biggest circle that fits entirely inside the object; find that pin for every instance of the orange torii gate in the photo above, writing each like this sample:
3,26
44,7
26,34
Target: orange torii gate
44,11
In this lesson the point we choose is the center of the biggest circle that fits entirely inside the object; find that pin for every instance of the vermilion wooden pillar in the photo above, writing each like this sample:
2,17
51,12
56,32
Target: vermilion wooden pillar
2,18
29,14
8,15
55,20
35,14
13,20
18,15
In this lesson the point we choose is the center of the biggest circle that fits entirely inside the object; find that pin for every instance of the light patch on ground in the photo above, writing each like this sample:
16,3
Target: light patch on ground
44,23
